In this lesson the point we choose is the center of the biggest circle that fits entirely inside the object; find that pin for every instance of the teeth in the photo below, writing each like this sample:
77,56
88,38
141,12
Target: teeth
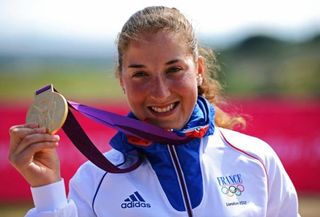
163,109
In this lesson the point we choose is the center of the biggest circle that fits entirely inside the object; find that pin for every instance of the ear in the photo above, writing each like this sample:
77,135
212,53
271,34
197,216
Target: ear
201,66
121,83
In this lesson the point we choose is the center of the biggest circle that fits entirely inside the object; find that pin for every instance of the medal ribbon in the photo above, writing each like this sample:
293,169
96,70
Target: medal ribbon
136,130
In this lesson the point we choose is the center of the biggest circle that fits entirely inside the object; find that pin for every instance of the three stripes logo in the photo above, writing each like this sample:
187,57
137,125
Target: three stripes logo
135,200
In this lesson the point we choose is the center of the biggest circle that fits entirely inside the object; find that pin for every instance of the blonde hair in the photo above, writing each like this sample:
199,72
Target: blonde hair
159,18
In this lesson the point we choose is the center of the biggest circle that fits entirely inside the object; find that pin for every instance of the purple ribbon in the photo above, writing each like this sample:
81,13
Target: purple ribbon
131,126
127,125
83,143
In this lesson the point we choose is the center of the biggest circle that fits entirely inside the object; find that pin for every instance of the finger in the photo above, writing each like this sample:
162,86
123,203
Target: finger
20,131
31,139
24,158
17,133
27,125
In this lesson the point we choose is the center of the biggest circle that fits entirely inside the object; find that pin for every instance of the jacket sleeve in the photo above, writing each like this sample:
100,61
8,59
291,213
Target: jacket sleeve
51,201
282,198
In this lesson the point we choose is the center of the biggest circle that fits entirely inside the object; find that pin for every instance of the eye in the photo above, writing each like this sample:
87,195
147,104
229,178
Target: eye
139,74
174,69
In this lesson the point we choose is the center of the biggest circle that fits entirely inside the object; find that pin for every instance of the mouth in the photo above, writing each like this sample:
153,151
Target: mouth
163,109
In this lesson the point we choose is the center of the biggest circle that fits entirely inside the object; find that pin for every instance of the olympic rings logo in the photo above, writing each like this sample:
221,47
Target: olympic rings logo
232,190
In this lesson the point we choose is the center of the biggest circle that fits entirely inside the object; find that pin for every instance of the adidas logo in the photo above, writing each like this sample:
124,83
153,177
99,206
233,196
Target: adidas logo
135,200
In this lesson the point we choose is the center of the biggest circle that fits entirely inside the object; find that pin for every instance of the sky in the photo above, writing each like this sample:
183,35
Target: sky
98,20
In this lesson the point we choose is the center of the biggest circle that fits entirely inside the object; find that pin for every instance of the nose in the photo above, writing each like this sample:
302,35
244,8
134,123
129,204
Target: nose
160,88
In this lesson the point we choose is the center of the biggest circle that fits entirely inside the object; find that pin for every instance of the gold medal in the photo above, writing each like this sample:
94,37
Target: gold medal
49,109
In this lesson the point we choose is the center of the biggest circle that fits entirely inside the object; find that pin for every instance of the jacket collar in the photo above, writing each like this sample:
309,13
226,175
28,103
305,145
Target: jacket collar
201,123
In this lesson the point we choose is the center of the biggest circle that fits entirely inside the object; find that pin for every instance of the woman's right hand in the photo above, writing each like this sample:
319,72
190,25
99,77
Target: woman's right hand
33,153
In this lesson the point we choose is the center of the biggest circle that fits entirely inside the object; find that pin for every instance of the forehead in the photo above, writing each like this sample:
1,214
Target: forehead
161,43
149,38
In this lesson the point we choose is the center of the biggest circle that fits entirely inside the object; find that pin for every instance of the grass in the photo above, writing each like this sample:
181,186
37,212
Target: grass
93,85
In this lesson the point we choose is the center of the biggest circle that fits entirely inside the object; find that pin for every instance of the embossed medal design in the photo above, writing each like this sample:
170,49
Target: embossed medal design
49,109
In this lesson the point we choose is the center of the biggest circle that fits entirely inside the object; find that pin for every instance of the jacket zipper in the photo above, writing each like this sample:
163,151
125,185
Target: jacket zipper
182,182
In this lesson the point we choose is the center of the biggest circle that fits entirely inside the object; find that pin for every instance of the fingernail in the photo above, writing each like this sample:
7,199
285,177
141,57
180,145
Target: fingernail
56,137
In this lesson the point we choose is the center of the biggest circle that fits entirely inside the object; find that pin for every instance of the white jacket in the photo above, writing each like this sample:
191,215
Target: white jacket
241,176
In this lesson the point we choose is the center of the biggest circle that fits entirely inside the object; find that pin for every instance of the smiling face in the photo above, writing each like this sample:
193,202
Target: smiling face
159,76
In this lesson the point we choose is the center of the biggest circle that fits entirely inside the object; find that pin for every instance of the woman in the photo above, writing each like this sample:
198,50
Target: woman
168,82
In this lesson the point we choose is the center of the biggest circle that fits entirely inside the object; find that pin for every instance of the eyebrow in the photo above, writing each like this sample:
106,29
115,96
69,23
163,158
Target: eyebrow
136,66
142,66
172,61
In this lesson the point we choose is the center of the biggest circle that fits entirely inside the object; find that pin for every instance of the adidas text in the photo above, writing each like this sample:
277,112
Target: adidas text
136,204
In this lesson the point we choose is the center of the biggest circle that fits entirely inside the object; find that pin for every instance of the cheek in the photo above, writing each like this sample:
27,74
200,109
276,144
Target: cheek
135,94
187,85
